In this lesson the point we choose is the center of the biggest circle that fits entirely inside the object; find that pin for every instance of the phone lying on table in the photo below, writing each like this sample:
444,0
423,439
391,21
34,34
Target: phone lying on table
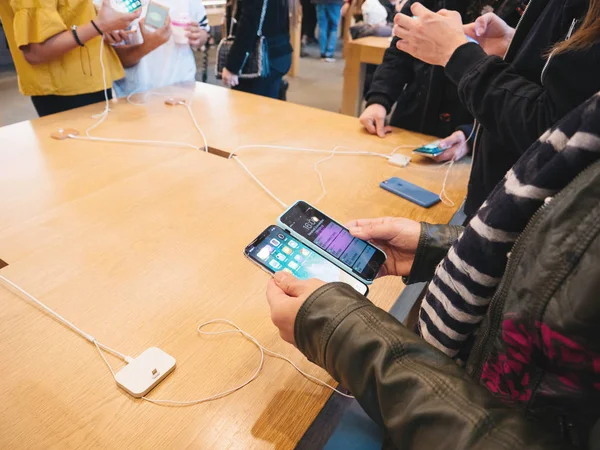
430,150
410,192
275,250
334,242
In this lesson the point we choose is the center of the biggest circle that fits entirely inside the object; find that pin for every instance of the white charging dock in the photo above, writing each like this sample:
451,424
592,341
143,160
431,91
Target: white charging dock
147,370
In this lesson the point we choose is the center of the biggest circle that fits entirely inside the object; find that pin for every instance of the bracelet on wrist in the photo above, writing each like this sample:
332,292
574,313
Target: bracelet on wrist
76,36
97,28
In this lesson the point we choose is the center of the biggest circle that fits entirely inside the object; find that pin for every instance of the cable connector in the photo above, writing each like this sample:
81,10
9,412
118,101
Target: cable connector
399,160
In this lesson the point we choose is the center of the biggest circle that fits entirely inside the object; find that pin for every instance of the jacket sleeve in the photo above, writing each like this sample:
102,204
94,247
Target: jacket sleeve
434,243
245,34
392,74
421,397
488,87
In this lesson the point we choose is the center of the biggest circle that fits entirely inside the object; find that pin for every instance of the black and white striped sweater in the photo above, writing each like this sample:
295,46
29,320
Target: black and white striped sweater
465,281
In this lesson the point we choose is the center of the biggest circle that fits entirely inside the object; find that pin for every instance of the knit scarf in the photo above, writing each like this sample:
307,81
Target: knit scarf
465,281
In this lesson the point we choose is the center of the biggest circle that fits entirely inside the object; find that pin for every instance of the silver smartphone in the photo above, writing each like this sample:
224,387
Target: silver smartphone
275,250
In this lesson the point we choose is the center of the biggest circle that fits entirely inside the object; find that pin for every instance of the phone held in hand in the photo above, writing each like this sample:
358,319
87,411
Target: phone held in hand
332,241
275,250
430,150
156,15
126,6
410,192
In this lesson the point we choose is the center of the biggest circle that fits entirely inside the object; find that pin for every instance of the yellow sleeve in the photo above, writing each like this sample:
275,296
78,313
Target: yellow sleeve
35,21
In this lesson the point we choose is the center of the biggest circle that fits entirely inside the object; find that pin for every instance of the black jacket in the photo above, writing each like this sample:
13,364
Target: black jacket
276,28
509,98
427,102
426,401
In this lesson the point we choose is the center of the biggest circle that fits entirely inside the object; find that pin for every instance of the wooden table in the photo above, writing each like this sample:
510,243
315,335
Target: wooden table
139,244
359,53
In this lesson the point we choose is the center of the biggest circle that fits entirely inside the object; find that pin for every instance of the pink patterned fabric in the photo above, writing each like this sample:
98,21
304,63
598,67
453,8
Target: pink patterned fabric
568,366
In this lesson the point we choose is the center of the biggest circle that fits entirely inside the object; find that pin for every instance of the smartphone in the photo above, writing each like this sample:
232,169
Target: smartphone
315,229
411,192
156,15
125,6
275,250
429,150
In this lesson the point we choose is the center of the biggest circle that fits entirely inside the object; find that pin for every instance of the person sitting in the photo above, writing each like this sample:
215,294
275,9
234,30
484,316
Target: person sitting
56,50
521,314
160,60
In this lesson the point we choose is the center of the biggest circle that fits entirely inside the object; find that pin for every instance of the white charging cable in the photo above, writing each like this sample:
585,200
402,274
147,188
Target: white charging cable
104,114
128,359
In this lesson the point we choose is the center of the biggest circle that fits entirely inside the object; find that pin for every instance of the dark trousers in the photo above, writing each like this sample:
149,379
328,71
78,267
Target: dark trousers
51,104
309,19
270,85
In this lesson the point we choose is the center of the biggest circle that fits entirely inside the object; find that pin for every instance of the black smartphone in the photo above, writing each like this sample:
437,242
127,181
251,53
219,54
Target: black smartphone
334,242
276,250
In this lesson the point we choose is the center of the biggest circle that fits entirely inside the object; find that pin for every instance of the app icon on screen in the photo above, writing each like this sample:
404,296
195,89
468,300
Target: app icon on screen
281,236
280,256
299,258
292,265
264,252
286,250
275,242
304,252
293,244
274,264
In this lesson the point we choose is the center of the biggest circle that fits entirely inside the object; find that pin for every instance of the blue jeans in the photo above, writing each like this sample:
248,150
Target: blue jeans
328,18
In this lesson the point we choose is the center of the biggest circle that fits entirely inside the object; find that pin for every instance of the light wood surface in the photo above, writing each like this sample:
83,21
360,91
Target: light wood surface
139,244
359,53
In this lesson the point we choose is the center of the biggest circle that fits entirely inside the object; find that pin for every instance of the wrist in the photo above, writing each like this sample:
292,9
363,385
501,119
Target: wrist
452,48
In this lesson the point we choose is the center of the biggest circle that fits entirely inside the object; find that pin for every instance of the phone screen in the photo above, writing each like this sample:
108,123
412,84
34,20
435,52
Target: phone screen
156,16
277,251
363,258
429,149
126,6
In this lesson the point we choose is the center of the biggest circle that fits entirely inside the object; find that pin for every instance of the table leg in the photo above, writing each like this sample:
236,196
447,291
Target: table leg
354,82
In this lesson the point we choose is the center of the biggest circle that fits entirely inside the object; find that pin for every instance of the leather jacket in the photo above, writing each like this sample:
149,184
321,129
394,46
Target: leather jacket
532,380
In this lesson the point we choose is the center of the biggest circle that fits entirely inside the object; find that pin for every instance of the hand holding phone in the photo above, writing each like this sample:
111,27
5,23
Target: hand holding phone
430,150
275,250
332,241
156,15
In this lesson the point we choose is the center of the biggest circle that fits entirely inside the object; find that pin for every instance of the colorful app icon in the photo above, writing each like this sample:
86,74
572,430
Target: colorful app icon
292,265
286,250
275,242
274,264
299,258
287,270
264,252
293,244
280,256
304,252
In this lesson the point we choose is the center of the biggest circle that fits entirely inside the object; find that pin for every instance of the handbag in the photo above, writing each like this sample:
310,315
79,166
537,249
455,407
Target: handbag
256,64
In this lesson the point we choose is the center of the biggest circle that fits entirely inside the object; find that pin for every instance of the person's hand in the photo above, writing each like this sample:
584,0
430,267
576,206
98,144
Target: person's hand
116,37
430,37
396,236
158,37
492,33
230,79
373,119
455,146
110,20
345,9
196,35
286,294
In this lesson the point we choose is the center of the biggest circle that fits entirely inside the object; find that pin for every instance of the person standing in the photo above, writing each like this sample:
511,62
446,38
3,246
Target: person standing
329,13
56,50
276,30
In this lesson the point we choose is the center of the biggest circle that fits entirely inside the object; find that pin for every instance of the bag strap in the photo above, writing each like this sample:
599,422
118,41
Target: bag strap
262,17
